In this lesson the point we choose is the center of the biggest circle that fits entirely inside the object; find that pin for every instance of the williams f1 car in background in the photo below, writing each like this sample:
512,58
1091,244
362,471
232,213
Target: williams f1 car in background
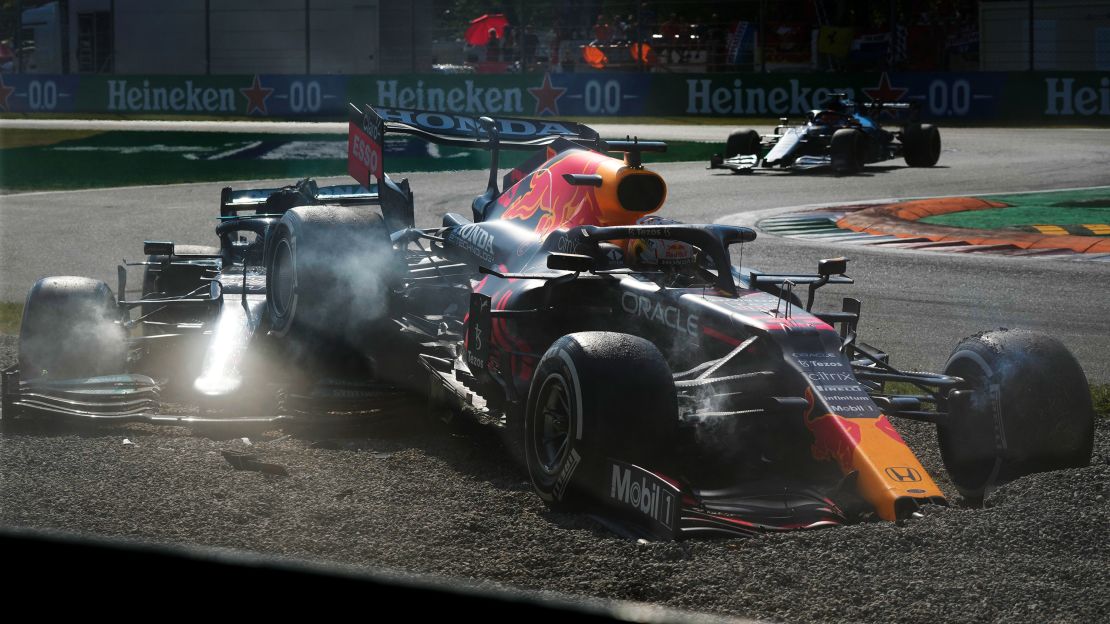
627,363
843,136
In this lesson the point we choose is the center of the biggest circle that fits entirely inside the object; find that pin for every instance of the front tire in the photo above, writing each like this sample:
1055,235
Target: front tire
1030,411
921,145
848,150
595,395
742,142
71,329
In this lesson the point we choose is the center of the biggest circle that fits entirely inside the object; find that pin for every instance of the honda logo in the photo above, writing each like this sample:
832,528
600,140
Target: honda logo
903,474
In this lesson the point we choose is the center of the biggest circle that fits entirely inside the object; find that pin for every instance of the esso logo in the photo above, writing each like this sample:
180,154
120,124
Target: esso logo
362,152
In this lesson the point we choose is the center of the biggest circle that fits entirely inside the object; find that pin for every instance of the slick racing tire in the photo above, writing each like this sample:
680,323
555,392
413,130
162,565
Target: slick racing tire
742,143
595,395
848,150
1029,410
173,283
71,328
330,271
921,145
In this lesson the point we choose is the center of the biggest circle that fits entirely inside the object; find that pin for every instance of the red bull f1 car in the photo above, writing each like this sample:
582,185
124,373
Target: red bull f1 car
844,136
629,365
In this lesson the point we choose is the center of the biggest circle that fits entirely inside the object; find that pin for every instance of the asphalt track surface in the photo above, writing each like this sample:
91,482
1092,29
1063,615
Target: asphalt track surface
916,305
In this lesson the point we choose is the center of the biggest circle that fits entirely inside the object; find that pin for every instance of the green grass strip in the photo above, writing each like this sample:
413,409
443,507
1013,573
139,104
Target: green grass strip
123,158
1057,208
11,315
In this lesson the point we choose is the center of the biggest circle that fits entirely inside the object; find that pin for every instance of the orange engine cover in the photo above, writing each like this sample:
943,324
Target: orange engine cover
544,201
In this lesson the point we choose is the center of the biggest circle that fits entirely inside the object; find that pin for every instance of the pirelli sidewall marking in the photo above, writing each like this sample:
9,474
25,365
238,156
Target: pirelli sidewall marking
561,482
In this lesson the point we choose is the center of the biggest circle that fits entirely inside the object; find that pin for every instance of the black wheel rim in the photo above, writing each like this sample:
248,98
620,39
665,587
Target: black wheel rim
283,277
551,437
971,476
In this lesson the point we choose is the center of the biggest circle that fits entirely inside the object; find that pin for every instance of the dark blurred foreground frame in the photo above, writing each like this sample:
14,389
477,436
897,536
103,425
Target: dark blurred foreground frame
121,576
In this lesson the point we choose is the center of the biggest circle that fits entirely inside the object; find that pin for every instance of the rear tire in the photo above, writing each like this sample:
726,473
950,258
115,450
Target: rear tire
71,329
1030,411
848,149
921,145
595,395
329,274
742,143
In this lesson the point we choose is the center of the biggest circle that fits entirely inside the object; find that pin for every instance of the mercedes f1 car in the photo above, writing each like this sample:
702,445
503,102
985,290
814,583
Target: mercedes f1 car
843,136
630,366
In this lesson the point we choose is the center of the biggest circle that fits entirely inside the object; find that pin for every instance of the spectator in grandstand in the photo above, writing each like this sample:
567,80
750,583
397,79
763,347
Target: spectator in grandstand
529,42
493,48
508,44
603,31
671,30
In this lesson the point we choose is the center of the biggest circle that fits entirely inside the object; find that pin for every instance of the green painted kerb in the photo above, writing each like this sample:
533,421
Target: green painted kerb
1062,208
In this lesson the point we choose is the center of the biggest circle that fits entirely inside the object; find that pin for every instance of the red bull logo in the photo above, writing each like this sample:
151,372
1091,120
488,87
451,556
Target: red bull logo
834,437
544,200
545,203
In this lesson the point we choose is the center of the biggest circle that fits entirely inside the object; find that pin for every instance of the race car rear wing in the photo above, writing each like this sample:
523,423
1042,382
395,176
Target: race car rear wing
232,201
368,125
901,111
366,141
463,131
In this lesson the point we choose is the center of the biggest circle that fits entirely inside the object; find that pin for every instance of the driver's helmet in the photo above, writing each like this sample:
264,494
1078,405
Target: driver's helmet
835,103
655,252
834,112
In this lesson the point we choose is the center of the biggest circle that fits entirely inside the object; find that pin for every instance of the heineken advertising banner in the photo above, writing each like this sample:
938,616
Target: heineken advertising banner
253,96
966,96
1040,97
529,95
31,93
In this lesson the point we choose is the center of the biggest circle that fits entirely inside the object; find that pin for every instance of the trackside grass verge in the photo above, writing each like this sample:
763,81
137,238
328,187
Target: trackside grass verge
129,158
19,137
10,317
1100,396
